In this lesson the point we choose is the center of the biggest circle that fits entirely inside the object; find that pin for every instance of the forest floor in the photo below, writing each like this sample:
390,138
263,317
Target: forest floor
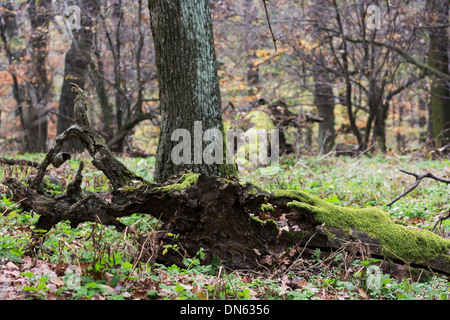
97,262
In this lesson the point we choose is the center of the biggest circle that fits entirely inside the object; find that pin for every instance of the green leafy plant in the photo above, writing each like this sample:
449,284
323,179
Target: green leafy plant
40,283
109,260
90,289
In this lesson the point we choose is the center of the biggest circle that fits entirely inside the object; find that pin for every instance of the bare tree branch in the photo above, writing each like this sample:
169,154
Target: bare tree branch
274,39
406,56
20,162
418,179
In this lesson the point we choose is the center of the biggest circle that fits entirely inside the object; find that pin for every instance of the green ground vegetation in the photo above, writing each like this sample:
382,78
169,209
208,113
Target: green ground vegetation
93,261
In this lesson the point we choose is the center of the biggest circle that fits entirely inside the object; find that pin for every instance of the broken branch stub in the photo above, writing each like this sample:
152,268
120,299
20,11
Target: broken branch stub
103,159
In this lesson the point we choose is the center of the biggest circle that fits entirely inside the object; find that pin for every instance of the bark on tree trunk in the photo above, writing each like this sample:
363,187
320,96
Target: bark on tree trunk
75,71
323,99
188,84
97,76
8,32
38,89
323,88
438,58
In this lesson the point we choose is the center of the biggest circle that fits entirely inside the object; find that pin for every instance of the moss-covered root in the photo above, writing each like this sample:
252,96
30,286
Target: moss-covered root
409,244
182,182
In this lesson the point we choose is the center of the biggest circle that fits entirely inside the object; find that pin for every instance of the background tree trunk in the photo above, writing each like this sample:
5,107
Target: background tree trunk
250,43
323,88
323,99
8,33
438,59
187,78
38,87
76,66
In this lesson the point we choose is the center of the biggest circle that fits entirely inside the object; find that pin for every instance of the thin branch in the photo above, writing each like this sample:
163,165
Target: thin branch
131,123
405,54
270,27
418,179
441,218
20,162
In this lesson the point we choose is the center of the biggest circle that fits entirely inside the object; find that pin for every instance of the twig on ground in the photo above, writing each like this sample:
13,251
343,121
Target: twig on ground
419,178
441,218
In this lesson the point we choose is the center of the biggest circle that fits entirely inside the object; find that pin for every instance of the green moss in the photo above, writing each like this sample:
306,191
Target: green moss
252,189
226,169
266,207
270,226
297,236
259,120
409,244
185,180
258,220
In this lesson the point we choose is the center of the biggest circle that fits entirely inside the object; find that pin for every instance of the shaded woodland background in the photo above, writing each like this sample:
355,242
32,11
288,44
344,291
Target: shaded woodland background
376,90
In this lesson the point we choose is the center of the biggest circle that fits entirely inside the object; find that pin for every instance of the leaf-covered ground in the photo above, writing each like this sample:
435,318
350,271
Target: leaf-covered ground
95,262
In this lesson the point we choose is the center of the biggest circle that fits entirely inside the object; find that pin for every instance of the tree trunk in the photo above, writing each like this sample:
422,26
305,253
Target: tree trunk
323,88
438,58
38,89
8,33
250,44
122,107
97,76
423,121
323,99
76,66
379,131
189,87
348,85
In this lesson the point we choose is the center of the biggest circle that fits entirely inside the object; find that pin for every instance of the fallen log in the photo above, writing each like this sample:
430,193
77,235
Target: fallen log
241,225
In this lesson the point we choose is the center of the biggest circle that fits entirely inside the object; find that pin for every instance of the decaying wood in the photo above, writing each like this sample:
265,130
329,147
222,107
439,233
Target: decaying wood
102,157
214,214
19,162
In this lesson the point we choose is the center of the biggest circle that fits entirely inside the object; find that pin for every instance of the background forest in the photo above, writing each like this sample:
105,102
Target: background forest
368,80
373,91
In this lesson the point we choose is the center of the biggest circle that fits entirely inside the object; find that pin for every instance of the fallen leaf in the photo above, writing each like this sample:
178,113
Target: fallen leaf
299,282
57,281
363,293
267,260
201,295
11,266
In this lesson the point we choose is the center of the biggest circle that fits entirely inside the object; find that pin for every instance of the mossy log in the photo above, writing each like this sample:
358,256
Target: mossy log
240,224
